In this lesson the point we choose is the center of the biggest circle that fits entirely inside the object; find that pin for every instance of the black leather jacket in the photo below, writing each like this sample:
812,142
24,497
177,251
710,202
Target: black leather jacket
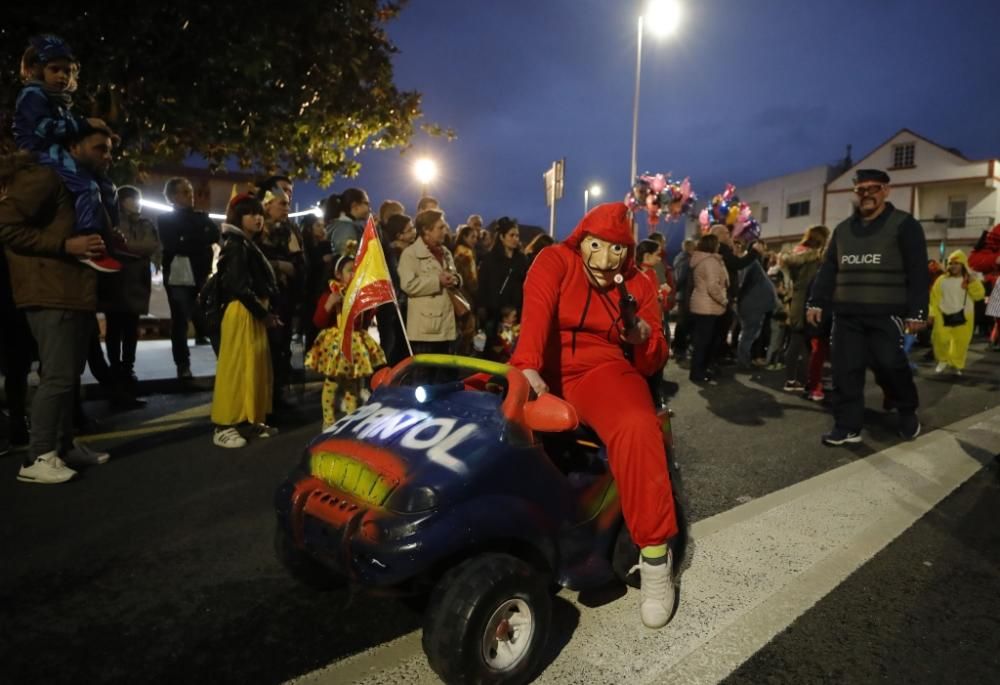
245,272
190,233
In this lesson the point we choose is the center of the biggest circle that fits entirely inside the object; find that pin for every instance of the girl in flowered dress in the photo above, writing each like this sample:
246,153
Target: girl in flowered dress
346,381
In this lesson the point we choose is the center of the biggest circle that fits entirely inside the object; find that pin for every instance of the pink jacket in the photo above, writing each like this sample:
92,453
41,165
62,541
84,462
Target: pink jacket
710,284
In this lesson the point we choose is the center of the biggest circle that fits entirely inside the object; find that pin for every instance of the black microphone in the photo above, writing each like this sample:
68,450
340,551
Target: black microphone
626,304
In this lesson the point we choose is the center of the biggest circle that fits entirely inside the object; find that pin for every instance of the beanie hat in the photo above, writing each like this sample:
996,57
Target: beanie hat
49,47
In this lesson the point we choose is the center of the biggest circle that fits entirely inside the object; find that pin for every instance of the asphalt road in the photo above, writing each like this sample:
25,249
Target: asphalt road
157,567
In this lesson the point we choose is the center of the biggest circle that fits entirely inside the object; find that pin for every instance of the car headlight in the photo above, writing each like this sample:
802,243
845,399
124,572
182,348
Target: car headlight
413,500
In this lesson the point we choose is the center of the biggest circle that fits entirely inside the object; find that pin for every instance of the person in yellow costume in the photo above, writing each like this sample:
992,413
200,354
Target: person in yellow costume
951,313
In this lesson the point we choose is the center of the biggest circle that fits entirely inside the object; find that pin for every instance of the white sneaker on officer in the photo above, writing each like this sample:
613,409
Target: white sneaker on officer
941,367
82,455
657,594
47,469
228,437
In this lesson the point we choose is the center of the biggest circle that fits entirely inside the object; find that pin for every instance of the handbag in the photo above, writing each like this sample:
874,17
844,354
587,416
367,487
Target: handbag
181,273
956,318
458,301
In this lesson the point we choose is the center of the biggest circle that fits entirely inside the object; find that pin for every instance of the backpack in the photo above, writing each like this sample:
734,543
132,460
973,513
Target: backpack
212,305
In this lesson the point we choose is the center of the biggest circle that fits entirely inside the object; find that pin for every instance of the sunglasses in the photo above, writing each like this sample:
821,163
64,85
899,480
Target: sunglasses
869,190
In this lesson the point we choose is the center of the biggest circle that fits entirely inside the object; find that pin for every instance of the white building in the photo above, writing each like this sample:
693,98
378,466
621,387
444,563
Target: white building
955,198
787,205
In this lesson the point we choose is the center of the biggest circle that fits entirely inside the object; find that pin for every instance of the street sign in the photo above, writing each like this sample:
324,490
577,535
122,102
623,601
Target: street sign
554,183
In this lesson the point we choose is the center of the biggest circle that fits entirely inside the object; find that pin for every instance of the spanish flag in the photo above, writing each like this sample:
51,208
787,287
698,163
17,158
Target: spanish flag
370,287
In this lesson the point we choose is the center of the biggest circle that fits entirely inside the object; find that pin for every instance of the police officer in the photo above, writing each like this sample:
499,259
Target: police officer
875,277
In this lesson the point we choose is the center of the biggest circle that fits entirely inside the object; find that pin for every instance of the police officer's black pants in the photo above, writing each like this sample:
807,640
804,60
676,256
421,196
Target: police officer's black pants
860,342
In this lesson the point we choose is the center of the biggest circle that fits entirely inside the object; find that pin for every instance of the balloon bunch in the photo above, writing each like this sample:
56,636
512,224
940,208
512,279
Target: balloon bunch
659,195
727,209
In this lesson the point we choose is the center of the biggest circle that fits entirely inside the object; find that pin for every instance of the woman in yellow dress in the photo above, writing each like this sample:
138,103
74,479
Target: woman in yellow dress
243,377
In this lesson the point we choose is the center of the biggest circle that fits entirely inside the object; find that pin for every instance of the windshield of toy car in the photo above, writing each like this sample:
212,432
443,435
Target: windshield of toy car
433,381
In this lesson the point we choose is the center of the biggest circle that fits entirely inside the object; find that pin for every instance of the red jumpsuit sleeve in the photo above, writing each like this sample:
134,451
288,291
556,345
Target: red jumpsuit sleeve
650,357
322,318
541,301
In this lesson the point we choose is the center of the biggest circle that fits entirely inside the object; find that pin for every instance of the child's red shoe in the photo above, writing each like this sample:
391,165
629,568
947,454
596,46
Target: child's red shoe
104,263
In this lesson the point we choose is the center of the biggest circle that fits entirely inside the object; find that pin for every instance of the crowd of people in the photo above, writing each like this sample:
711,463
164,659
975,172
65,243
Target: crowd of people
75,245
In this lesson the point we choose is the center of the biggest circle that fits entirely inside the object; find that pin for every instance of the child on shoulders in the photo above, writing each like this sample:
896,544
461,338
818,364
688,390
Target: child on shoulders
44,123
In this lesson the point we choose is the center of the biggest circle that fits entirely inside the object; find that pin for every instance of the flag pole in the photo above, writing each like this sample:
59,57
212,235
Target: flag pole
402,325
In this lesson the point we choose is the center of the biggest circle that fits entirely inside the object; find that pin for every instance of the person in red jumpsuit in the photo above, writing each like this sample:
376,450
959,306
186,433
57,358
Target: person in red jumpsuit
985,259
573,344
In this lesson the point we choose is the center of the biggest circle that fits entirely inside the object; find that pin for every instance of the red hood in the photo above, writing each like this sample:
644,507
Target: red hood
610,221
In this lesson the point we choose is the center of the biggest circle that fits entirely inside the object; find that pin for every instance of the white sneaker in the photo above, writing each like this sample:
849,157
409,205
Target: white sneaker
657,593
228,437
82,455
262,430
48,469
941,367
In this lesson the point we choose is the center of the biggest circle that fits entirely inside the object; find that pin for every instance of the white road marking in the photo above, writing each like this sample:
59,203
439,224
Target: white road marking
755,569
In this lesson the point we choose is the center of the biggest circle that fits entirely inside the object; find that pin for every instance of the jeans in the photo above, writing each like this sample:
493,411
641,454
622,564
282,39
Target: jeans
704,339
17,348
62,337
776,346
183,308
750,328
796,356
121,338
682,331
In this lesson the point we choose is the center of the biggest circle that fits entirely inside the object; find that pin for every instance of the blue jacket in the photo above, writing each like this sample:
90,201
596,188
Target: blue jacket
41,123
757,294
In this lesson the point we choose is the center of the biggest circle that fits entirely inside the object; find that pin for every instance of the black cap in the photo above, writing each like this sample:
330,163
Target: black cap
871,175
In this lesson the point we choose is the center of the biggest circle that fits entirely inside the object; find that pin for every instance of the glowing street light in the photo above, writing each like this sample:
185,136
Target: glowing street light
592,191
663,17
425,170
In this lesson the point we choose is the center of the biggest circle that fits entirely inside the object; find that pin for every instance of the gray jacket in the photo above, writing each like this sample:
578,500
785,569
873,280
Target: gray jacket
128,290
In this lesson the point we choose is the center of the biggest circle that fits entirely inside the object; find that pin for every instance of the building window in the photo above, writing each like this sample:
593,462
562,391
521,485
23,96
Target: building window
798,209
902,155
763,214
957,209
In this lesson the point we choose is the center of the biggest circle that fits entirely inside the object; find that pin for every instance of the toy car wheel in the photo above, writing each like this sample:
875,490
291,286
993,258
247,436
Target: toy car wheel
488,621
301,566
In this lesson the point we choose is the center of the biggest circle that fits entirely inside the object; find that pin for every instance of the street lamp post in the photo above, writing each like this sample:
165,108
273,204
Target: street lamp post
425,170
663,17
635,101
594,190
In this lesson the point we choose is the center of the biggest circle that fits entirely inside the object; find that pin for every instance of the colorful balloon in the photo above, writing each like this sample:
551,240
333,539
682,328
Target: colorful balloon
727,209
657,194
